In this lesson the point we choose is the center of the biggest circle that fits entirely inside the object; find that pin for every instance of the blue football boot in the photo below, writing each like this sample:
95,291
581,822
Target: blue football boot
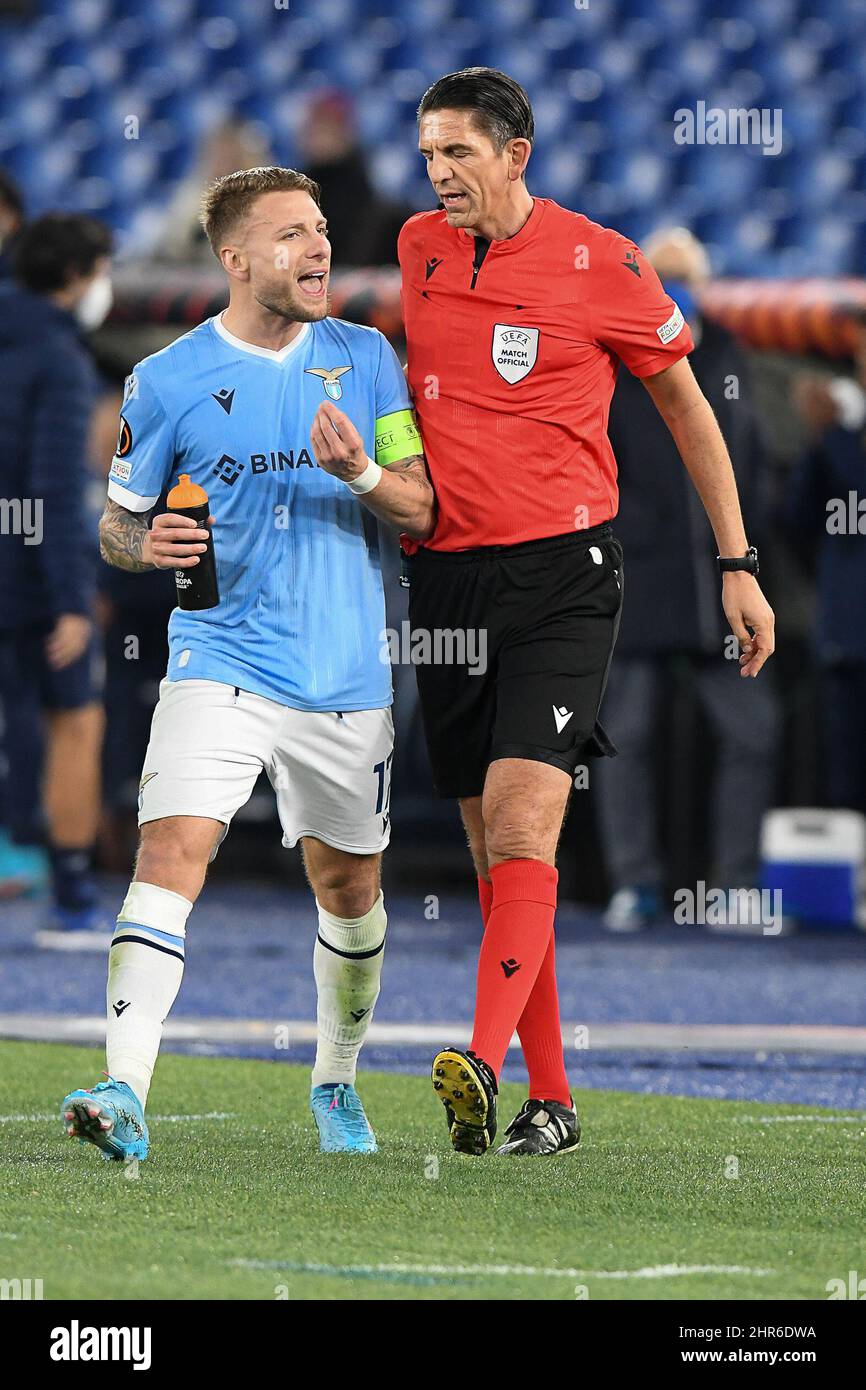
343,1126
109,1116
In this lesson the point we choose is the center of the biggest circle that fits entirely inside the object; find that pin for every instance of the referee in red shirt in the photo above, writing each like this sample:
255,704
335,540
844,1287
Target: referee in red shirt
518,313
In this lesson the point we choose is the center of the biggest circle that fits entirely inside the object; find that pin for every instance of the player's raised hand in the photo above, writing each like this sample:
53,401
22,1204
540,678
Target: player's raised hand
337,445
746,608
174,542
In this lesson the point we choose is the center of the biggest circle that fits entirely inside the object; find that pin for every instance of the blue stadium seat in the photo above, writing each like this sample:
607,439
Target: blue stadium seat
606,82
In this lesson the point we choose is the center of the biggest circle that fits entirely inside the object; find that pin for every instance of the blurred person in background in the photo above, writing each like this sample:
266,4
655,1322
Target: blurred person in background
133,613
62,289
362,225
826,508
22,870
672,611
11,221
232,145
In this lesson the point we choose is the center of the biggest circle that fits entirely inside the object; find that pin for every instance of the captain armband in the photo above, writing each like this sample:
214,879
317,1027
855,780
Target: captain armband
397,437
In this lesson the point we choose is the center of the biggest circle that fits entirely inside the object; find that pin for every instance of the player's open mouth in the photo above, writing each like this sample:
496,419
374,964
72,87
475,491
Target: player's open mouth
313,283
452,201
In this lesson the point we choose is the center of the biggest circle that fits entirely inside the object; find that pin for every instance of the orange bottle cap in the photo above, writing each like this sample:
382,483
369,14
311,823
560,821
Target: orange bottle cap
187,494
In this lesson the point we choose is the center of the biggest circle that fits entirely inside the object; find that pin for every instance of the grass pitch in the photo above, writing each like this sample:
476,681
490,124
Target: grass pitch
236,1202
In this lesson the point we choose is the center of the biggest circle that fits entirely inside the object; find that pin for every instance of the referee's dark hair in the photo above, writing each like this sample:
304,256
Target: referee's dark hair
54,249
499,105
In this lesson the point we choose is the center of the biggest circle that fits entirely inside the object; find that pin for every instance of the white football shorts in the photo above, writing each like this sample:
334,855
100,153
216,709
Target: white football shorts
331,772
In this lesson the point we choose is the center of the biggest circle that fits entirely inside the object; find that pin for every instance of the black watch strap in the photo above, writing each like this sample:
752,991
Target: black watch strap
747,562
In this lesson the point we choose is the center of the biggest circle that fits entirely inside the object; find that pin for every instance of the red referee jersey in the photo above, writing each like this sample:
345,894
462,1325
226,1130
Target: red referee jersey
513,368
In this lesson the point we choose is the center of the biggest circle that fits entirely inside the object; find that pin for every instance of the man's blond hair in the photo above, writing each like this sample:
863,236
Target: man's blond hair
227,201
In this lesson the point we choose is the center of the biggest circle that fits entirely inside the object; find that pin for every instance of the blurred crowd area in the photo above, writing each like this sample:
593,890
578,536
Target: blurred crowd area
703,754
103,104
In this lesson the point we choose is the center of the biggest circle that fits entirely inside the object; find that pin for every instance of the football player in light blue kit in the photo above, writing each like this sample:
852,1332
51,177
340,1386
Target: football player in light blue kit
286,673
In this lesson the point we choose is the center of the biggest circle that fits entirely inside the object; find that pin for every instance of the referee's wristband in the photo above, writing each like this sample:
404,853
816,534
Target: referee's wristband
366,481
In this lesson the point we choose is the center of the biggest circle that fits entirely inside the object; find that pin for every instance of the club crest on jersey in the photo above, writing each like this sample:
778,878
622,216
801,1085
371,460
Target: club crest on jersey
330,379
514,351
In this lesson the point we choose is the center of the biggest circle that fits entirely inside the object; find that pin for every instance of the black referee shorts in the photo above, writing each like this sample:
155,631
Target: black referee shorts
512,646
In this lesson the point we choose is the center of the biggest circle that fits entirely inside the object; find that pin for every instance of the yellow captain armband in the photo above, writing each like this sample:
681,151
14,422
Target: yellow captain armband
397,437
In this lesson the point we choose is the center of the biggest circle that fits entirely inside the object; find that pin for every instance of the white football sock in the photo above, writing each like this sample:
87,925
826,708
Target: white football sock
347,964
145,968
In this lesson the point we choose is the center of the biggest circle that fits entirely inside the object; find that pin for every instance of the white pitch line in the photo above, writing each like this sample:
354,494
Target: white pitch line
673,1271
801,1119
181,1119
503,1271
595,1037
159,1119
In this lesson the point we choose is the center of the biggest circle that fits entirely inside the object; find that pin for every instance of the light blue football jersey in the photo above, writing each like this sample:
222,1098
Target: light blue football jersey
301,611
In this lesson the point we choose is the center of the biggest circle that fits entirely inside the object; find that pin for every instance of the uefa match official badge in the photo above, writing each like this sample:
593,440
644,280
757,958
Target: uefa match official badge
330,379
514,351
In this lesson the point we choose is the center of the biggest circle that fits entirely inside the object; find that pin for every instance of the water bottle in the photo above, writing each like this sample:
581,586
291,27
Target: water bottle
197,586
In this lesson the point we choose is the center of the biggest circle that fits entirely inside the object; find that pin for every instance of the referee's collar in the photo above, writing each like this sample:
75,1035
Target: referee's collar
272,354
514,243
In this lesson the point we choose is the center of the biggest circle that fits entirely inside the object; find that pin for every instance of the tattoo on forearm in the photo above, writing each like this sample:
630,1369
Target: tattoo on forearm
418,500
121,538
413,469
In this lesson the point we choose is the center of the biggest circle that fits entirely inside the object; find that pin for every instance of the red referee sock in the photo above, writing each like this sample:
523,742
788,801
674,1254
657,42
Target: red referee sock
518,933
539,1028
540,1034
485,898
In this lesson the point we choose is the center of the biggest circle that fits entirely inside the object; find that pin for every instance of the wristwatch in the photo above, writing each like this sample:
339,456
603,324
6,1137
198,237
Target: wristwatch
747,562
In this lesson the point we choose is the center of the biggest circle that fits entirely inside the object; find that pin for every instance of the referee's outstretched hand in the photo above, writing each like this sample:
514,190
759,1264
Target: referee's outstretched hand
752,620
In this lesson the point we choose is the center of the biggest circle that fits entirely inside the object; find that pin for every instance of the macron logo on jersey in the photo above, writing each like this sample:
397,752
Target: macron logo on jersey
561,717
